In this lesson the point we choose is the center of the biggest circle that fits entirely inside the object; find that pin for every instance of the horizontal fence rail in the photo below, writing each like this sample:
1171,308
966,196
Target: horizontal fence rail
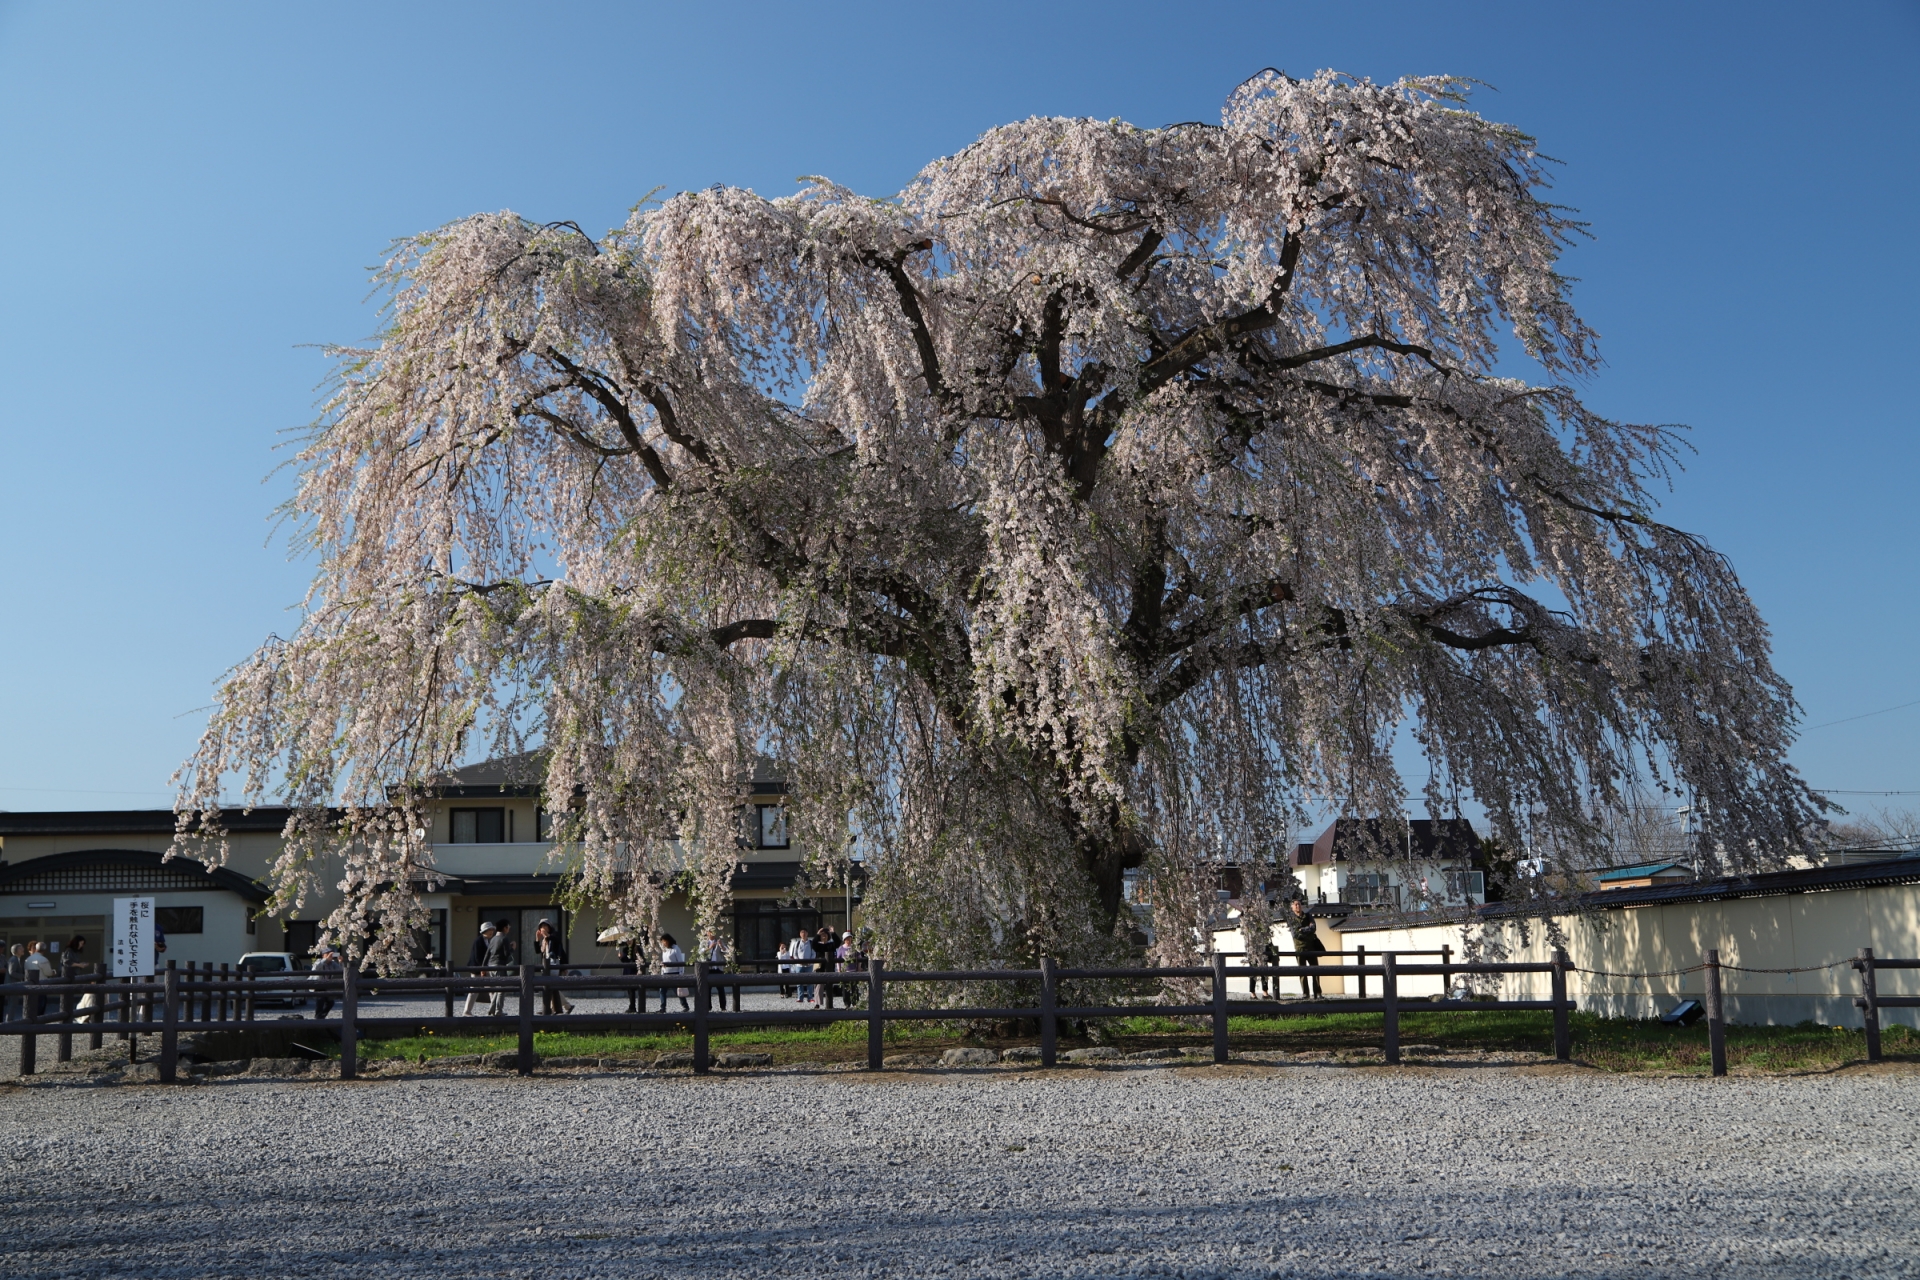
205,999
201,998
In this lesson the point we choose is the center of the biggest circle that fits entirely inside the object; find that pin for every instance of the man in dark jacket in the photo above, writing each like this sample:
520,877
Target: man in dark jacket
553,960
502,955
477,959
1306,946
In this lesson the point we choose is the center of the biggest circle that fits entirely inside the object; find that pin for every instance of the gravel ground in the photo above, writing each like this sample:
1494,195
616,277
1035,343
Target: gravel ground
1242,1170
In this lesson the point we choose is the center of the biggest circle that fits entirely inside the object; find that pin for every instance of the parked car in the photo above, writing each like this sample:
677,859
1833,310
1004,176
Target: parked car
275,964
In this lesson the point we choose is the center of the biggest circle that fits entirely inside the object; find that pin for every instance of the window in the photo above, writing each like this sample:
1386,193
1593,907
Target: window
542,825
773,826
1466,885
479,826
1373,888
174,920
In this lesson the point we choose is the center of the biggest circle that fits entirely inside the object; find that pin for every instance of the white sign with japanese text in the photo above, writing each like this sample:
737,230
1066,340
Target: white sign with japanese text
133,937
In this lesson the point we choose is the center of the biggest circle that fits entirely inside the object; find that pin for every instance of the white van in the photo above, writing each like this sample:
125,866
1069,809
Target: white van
274,964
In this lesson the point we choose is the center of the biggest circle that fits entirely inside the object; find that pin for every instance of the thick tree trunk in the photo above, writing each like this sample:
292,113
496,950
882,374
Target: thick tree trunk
1107,862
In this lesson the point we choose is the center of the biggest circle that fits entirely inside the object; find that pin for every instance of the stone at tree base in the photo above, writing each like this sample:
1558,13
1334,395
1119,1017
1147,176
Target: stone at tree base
678,1058
1099,1053
277,1067
910,1060
1021,1053
744,1060
1153,1055
967,1057
505,1059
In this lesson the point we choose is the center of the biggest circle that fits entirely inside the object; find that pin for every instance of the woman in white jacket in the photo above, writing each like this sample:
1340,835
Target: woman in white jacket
672,960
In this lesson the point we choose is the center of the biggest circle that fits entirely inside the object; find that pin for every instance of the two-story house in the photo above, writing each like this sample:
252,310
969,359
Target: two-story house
490,840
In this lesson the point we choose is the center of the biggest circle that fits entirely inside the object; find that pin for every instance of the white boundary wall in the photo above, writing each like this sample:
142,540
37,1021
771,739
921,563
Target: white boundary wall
1786,931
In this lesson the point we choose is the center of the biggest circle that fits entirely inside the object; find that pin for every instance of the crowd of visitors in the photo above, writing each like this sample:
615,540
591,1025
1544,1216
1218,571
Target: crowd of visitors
821,951
36,956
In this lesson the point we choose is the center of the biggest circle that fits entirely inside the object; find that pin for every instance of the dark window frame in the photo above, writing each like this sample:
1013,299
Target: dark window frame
760,840
499,812
172,919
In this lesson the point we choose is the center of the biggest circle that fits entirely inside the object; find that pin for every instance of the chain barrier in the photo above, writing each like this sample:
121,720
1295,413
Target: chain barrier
1728,968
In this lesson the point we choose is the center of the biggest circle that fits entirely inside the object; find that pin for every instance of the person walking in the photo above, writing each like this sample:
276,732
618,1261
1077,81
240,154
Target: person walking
1269,957
502,956
477,961
801,954
823,945
714,952
326,971
629,954
1306,947
552,949
38,961
672,961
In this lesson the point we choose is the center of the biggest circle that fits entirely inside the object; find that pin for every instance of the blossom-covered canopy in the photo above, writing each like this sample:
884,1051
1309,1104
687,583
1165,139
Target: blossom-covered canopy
1109,498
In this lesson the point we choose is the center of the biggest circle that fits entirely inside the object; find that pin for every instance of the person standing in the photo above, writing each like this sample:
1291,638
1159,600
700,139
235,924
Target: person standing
477,961
553,960
672,961
629,955
502,955
802,955
38,961
1269,957
823,944
1306,947
327,972
784,963
714,952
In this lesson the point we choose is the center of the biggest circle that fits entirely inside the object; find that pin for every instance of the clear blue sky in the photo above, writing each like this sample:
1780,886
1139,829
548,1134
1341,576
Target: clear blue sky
189,193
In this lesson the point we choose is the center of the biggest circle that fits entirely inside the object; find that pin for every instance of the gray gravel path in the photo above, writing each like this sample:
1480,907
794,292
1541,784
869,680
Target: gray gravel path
1236,1171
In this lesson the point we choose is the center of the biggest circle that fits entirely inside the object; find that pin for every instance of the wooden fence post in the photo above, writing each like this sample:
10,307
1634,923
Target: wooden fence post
96,1037
1360,959
449,974
252,978
63,1048
1716,1016
1869,1002
1562,1024
1049,1020
1219,1007
700,1063
1446,969
1390,1006
876,1017
350,1018
29,1043
226,992
170,1025
524,1064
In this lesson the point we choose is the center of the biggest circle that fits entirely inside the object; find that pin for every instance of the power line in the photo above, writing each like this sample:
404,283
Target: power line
1862,716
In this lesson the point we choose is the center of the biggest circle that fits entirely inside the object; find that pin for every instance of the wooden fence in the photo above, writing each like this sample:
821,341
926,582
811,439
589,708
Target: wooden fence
223,1000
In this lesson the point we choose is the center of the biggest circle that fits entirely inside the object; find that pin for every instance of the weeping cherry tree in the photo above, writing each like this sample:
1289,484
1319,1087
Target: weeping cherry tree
1108,499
